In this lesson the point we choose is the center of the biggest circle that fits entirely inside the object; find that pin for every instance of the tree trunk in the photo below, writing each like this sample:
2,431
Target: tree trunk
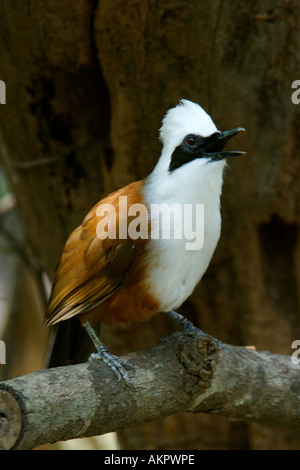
87,84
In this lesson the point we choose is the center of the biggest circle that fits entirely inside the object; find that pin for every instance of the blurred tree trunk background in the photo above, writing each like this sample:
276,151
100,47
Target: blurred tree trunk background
87,84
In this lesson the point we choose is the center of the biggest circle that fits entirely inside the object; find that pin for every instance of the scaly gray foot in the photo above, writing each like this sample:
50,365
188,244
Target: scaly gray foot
117,365
185,324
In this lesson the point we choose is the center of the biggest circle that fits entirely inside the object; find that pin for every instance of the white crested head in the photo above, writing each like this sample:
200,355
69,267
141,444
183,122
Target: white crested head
192,158
185,118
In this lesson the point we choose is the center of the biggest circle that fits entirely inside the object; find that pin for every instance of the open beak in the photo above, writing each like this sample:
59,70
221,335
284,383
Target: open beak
222,138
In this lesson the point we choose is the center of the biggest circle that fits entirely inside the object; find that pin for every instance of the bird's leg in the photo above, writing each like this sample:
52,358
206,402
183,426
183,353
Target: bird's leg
185,324
117,364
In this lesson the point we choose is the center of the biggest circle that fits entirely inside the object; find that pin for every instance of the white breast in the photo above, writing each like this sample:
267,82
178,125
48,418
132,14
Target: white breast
173,270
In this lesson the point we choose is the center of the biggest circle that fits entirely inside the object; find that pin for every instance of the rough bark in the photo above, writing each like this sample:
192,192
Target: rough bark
185,372
87,84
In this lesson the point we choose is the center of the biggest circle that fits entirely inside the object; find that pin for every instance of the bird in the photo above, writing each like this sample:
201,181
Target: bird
109,274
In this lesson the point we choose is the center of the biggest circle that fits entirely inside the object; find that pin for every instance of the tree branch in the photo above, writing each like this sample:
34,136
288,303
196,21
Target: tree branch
184,372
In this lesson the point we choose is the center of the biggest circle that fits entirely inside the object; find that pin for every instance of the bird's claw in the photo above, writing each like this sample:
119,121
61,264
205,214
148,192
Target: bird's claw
185,324
117,365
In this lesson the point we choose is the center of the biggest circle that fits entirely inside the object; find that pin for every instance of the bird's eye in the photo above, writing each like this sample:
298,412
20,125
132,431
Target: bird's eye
191,141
